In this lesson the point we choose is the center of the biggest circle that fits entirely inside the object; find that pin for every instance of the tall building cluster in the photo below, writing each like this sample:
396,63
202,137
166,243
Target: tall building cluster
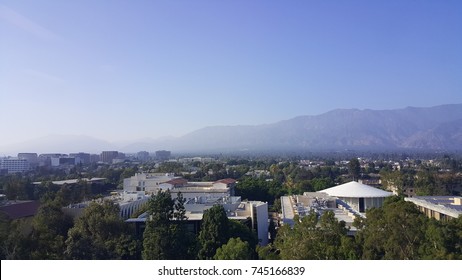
24,162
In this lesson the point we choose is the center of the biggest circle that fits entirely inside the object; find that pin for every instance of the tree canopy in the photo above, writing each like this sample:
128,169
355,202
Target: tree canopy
235,249
166,236
214,231
100,233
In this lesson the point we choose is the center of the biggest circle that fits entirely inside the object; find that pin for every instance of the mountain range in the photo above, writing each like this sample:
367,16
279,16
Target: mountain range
432,128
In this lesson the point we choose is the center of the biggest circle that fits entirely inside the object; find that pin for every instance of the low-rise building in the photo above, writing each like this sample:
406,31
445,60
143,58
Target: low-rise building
23,210
358,196
220,188
252,213
298,206
75,181
152,183
146,182
128,202
346,201
438,207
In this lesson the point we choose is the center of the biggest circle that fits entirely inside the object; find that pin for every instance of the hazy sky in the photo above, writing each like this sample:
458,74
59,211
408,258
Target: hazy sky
120,70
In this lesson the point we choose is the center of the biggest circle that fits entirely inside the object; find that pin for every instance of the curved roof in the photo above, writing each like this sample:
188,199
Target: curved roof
355,189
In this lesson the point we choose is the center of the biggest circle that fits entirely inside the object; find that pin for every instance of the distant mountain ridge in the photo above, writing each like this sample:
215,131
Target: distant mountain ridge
432,128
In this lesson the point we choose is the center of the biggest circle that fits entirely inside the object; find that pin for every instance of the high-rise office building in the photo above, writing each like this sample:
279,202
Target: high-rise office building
109,156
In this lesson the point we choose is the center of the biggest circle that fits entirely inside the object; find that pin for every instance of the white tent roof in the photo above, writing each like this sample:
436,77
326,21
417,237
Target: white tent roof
355,189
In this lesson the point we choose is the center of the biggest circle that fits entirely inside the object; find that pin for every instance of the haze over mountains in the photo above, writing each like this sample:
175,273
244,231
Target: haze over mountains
433,128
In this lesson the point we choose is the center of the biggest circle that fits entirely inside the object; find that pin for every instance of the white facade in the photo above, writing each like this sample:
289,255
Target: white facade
358,196
195,189
14,165
260,222
152,183
256,211
149,183
129,203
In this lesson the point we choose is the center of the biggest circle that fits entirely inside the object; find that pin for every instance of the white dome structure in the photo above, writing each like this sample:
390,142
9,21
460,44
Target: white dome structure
359,196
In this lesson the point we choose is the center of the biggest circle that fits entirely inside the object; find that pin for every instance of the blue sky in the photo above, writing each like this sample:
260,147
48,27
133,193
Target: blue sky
123,70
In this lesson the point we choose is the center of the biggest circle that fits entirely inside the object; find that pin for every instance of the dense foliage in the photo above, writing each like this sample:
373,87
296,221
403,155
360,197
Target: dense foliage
395,231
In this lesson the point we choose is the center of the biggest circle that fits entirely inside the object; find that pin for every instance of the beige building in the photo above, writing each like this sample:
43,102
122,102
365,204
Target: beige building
224,187
152,183
439,207
146,182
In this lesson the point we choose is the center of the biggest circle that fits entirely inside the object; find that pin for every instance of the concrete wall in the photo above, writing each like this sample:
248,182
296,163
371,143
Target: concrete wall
261,215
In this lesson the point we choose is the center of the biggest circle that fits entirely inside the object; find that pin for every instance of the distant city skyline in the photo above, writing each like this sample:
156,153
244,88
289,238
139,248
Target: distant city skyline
126,70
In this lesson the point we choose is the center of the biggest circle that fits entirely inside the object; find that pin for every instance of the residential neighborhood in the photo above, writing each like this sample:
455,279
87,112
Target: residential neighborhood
269,198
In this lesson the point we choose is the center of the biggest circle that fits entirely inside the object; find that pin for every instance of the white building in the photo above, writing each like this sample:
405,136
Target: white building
255,212
14,165
346,201
152,183
220,188
129,203
299,206
358,196
146,182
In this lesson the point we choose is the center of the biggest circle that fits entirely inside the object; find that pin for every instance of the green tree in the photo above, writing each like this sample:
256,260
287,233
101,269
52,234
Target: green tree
312,238
259,189
354,168
235,249
349,249
14,245
156,237
14,187
268,252
395,231
100,233
49,232
184,242
434,247
166,236
427,184
214,231
454,237
239,230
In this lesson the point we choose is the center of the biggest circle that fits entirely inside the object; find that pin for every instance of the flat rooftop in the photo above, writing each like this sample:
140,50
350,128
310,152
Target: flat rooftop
301,205
448,205
72,181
